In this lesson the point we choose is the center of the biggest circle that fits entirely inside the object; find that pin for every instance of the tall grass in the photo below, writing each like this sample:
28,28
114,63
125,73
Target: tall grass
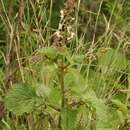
64,65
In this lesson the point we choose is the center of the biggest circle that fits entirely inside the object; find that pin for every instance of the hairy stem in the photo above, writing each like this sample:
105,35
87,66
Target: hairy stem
62,90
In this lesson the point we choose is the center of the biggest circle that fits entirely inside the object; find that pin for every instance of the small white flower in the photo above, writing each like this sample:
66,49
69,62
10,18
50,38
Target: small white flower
58,34
60,26
72,18
69,29
71,36
62,14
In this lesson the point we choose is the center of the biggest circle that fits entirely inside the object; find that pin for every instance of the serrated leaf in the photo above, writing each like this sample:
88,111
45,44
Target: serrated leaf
50,94
43,91
74,81
21,99
111,123
98,104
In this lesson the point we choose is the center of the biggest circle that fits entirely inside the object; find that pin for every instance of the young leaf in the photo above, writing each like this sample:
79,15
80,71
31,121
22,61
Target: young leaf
78,59
21,99
48,69
49,52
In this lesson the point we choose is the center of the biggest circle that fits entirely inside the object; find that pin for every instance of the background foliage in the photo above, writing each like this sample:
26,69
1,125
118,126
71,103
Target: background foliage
64,65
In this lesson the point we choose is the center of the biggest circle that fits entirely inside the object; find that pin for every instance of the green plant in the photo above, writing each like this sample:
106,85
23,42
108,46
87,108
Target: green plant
65,65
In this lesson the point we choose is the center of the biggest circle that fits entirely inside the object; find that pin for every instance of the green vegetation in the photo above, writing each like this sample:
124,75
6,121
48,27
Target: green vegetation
64,65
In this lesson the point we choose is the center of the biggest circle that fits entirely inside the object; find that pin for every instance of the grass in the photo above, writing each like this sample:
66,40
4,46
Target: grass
65,65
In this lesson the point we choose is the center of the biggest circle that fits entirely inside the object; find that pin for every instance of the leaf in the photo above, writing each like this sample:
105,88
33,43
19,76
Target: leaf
21,99
55,96
98,104
89,95
69,117
6,124
50,94
112,122
74,81
122,107
43,91
49,74
105,119
84,112
56,129
80,128
49,52
78,59
49,69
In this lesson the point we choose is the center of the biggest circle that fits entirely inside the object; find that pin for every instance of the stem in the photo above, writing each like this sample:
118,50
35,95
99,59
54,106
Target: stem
128,93
54,107
62,91
52,122
30,122
93,120
21,13
62,85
